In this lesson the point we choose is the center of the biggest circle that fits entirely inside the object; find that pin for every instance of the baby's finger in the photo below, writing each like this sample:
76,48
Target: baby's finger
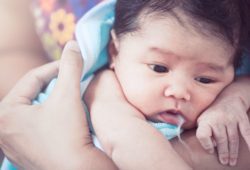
220,135
233,138
204,134
244,127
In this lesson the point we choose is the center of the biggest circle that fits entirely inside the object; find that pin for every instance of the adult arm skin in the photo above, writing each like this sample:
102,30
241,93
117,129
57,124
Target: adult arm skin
20,47
54,134
200,158
203,160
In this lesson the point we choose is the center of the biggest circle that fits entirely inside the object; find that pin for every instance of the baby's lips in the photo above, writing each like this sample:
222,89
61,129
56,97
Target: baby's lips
173,117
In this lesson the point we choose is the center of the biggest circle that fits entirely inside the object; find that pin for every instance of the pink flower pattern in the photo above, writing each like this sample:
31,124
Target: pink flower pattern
56,22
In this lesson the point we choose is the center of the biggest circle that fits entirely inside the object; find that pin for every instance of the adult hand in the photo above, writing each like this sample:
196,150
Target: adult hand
54,134
221,123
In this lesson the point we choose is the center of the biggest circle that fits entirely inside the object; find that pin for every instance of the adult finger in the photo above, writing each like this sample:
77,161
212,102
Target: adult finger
204,135
233,139
70,71
220,135
32,83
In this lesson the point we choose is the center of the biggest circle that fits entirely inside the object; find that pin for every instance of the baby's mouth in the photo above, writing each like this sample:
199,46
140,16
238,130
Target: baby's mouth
172,117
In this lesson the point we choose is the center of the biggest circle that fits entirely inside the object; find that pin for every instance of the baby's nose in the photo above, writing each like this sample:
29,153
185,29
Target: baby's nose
178,91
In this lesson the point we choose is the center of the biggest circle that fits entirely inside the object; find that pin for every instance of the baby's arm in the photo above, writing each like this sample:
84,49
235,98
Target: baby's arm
224,118
125,135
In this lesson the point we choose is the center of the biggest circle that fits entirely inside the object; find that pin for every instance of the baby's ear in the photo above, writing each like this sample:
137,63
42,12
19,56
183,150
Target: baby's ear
113,49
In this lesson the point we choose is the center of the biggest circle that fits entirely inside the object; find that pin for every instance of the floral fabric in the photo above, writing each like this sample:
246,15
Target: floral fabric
56,21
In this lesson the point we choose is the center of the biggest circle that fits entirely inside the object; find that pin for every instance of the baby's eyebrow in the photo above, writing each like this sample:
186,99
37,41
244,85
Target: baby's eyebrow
211,66
162,51
216,67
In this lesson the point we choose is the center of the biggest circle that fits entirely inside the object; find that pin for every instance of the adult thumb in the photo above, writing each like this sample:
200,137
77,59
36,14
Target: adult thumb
70,71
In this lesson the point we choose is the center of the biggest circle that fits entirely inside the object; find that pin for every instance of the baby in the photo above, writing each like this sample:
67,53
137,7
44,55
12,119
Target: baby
168,60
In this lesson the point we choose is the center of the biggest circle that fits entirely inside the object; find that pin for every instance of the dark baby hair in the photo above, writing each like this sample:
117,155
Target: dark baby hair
226,19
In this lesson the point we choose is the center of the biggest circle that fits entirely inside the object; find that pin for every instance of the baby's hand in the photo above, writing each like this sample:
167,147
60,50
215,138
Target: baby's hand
218,126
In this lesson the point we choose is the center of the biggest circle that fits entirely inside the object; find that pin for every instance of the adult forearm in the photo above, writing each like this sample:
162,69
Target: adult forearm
200,159
240,89
14,65
245,80
130,141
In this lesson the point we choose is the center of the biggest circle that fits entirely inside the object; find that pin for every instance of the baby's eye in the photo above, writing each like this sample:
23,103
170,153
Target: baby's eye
158,68
204,80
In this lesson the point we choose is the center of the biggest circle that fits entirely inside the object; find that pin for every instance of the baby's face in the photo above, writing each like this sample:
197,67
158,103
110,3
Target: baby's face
166,70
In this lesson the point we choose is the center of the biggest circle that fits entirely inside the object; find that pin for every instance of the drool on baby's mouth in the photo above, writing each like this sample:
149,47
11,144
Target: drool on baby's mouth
172,117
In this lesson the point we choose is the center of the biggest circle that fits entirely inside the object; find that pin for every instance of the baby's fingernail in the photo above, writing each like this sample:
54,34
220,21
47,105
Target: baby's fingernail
232,162
224,161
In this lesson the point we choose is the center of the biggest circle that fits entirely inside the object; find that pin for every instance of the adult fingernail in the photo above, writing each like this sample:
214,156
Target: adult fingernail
232,162
73,46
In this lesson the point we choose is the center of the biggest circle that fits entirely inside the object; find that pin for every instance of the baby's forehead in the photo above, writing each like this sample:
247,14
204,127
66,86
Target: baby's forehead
193,24
168,34
190,25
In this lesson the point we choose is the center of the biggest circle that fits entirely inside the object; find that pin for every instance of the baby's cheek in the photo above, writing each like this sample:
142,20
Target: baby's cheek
205,102
132,93
140,98
199,104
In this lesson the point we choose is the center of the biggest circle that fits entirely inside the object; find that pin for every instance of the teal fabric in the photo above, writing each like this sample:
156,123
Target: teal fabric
7,165
168,130
92,34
